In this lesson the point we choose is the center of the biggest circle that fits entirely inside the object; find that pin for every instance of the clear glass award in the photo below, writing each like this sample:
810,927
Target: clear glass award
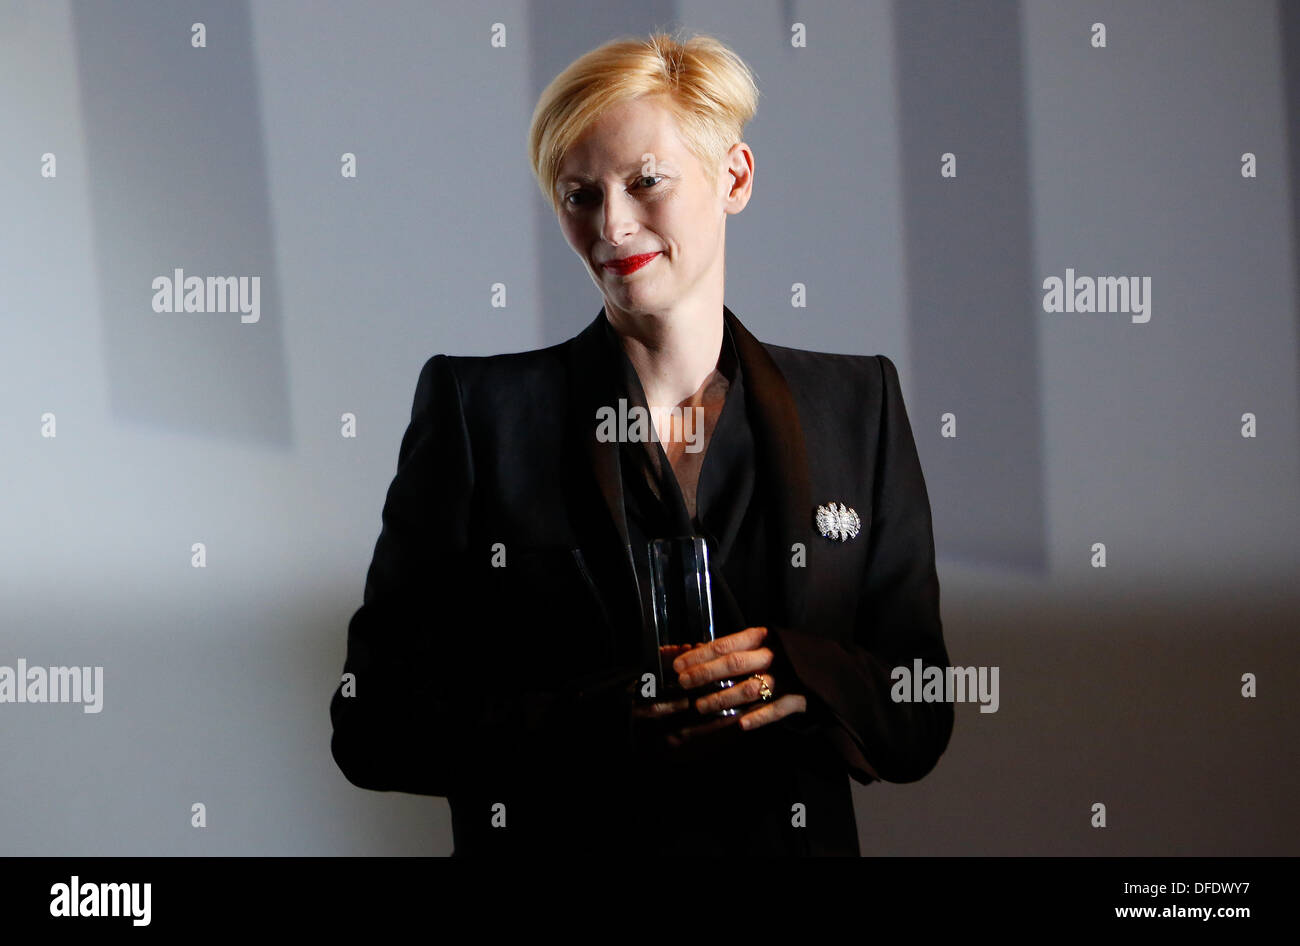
682,597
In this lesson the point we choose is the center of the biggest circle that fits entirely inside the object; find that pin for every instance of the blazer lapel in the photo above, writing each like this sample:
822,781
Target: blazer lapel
782,460
591,386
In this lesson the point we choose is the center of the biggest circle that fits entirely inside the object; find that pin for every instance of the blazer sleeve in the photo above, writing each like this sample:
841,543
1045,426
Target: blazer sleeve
423,706
848,684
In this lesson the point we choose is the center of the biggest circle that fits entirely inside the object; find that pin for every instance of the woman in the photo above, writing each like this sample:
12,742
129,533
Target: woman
504,653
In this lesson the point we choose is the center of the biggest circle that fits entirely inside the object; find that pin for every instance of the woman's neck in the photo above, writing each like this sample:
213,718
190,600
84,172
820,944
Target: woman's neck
675,356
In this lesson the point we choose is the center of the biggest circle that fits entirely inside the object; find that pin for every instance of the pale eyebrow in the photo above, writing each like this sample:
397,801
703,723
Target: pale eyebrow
625,170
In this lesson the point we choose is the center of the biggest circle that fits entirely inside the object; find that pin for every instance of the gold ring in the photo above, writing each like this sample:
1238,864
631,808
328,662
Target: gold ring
765,691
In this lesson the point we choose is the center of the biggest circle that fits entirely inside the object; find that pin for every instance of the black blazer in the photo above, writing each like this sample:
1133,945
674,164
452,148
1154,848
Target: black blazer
507,686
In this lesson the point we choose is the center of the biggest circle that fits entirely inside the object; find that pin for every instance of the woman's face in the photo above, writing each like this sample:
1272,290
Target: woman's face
631,187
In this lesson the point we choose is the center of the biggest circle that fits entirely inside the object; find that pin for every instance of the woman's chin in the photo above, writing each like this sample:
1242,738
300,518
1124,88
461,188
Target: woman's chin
633,298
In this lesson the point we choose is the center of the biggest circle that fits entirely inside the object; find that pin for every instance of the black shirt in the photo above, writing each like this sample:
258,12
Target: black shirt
760,772
655,507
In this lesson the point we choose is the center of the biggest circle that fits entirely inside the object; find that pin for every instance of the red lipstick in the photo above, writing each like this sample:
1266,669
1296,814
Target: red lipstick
630,264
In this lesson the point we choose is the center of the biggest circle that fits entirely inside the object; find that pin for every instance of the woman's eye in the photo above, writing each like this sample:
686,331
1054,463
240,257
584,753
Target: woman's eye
654,179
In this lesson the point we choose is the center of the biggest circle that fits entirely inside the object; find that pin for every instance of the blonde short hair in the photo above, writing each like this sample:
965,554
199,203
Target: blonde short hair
708,88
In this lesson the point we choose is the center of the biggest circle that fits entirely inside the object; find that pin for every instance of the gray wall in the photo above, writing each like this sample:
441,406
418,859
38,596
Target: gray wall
1119,685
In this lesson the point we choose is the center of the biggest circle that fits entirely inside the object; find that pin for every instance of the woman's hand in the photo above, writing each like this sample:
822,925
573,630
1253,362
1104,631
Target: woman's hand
738,656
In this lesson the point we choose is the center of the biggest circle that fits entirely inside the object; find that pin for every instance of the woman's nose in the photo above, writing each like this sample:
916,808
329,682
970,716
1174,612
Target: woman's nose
619,222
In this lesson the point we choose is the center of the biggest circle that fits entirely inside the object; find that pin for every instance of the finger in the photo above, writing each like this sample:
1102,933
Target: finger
745,691
735,664
699,735
747,639
778,709
660,708
740,663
